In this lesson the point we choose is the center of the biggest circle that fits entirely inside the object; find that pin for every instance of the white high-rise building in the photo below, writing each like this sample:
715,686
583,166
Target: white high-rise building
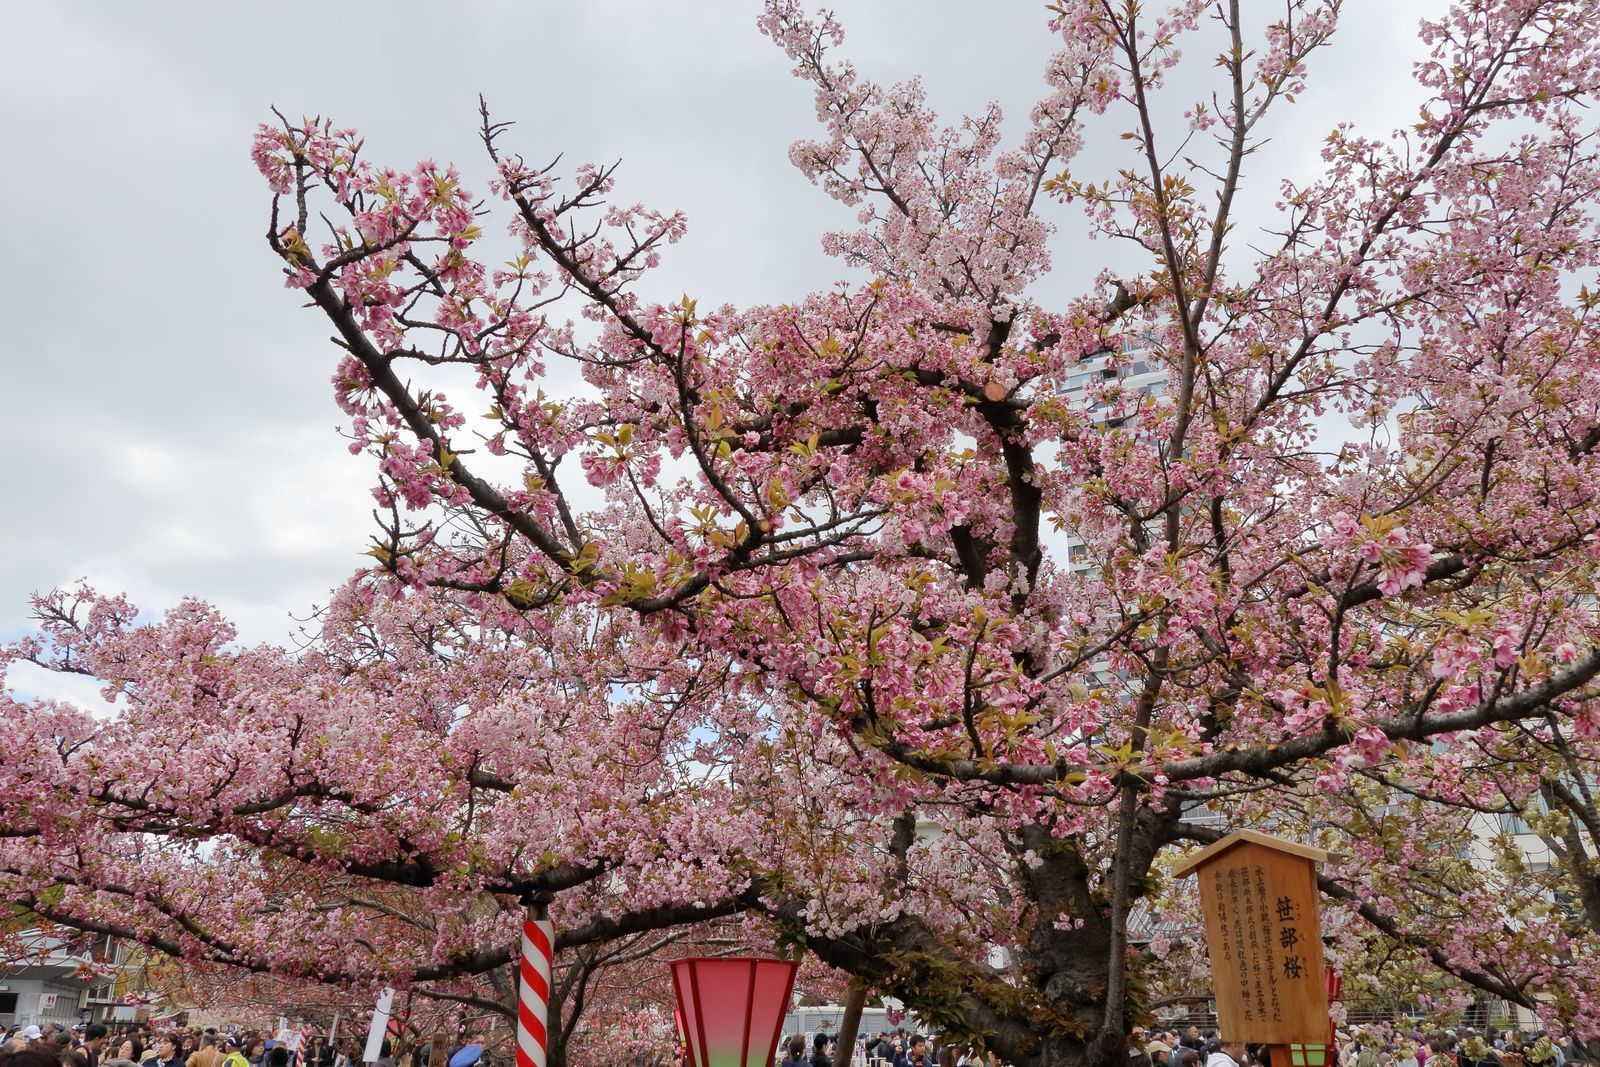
1131,369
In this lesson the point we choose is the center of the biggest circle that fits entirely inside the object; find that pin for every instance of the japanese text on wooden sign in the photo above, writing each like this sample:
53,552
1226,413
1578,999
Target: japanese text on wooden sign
1266,946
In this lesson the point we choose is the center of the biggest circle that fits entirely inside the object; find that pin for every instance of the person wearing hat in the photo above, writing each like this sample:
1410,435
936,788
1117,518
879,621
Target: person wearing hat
233,1054
1159,1052
470,1054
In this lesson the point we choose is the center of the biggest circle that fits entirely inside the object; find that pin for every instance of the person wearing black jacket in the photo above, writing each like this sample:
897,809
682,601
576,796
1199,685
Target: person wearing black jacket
168,1052
819,1051
94,1043
794,1052
916,1055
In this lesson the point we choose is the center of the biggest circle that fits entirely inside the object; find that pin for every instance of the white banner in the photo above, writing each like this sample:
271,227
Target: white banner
380,1024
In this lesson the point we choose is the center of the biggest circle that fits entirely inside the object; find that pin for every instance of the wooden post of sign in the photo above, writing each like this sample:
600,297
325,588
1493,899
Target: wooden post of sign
1259,895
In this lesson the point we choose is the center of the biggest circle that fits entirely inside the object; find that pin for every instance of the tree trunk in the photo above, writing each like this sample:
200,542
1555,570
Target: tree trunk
1051,1008
1071,974
556,1054
1070,967
1046,1015
854,1001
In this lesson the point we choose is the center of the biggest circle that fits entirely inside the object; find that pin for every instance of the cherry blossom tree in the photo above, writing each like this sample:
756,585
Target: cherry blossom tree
709,601
1482,866
308,817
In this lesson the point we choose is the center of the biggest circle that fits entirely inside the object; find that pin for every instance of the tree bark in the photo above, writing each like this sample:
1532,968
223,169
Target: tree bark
855,999
1050,1009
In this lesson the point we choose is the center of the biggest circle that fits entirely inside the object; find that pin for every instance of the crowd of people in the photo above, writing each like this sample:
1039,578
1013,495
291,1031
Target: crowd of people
1381,1046
1386,1046
131,1045
1378,1046
896,1048
139,1045
134,1045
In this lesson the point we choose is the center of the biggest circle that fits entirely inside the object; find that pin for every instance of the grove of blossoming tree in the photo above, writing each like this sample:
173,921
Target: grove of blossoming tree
684,610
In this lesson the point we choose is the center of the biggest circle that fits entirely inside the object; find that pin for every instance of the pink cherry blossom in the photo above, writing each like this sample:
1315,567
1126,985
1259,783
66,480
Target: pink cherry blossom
678,608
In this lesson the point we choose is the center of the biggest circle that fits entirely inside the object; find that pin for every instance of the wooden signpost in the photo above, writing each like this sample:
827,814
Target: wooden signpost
1259,896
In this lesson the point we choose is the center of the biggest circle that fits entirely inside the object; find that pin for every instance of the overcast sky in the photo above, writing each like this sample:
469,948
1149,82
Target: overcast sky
172,422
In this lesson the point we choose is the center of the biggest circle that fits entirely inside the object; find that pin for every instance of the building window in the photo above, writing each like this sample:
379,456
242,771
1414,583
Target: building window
1511,823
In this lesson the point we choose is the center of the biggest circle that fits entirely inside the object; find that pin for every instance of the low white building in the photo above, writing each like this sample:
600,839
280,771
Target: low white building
48,980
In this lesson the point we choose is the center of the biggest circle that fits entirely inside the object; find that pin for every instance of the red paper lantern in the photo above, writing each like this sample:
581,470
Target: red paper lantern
732,1009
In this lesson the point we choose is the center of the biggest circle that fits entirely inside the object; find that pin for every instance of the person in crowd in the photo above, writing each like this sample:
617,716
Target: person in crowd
1221,1053
169,1049
28,1056
915,1054
819,1052
95,1037
1474,1051
130,1049
232,1056
58,1040
1158,1052
794,1052
1361,1052
1191,1039
470,1054
206,1055
1542,1052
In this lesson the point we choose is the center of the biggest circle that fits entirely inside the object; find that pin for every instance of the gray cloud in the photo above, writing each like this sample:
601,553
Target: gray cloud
172,426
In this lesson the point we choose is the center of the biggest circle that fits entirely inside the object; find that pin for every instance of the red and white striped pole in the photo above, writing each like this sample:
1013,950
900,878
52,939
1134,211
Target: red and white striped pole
533,987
